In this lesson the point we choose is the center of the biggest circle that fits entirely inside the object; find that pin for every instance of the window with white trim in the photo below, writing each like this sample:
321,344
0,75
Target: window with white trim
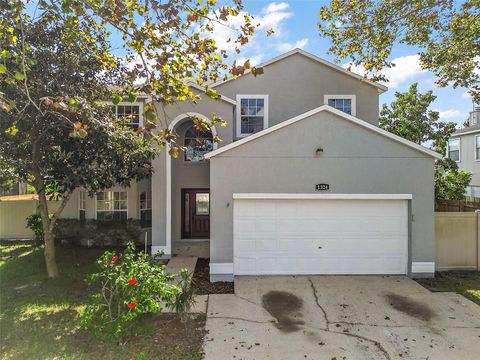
131,113
345,103
145,209
454,149
82,205
112,205
477,147
252,114
197,144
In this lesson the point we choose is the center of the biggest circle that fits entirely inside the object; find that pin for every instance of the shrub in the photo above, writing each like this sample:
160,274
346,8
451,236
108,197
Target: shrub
34,223
91,232
129,285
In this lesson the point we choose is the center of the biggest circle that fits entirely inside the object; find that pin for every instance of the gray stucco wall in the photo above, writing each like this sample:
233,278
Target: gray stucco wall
467,157
184,175
298,84
355,160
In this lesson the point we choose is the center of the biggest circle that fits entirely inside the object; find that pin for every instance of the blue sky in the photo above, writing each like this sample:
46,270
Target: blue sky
295,22
295,25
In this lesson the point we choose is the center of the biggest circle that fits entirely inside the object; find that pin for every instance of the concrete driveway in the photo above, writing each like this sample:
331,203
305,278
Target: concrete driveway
340,317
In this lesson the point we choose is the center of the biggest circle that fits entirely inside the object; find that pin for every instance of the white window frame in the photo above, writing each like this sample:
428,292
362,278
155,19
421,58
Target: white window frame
239,115
459,149
475,147
114,191
353,98
140,110
82,198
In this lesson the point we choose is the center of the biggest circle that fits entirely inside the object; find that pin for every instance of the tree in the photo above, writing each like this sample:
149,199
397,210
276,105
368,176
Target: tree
409,117
55,136
57,65
447,33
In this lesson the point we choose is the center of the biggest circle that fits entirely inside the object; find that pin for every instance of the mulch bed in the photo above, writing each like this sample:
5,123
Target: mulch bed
202,284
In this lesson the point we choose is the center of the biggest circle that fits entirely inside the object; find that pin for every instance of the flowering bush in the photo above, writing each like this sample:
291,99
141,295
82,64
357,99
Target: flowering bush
129,285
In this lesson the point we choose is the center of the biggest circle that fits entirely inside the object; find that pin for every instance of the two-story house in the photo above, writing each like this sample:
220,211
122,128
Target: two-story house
464,148
303,182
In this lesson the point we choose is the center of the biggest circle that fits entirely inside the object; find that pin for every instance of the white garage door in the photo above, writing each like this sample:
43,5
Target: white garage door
320,236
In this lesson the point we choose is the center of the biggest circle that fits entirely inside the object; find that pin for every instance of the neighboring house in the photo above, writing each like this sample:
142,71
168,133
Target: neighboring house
303,182
464,148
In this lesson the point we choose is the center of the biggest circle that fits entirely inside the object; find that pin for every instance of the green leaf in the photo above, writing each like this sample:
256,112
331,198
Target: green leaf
132,98
3,69
12,130
117,100
19,76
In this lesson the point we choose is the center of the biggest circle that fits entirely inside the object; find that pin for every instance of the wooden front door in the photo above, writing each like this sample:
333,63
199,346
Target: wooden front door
195,213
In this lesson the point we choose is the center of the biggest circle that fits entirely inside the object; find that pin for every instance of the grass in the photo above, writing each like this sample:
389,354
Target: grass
39,318
466,283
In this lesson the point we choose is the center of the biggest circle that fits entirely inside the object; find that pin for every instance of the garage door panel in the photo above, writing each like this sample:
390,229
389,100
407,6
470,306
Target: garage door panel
320,237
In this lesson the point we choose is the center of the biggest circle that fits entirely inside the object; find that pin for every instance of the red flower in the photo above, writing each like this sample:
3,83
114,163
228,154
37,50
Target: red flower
132,281
115,258
132,304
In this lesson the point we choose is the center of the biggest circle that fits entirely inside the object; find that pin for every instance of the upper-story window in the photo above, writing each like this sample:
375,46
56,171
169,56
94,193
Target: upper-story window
131,113
477,147
112,205
345,103
453,150
197,144
252,114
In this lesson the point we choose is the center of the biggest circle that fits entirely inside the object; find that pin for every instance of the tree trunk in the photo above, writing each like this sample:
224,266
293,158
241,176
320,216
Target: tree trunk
50,262
49,237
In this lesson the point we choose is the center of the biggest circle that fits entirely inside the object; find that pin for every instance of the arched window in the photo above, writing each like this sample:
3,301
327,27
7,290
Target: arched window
197,144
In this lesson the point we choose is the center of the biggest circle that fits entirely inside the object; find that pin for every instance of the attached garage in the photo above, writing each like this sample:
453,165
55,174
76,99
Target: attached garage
322,193
294,234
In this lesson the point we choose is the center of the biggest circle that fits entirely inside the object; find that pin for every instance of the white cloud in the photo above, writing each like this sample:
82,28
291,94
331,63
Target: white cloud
254,60
406,68
272,16
286,46
452,114
273,7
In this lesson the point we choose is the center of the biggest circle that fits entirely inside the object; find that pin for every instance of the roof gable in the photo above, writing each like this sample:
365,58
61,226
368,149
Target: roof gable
332,110
381,88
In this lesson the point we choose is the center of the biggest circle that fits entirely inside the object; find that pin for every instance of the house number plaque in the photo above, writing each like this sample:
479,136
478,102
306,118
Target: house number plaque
322,187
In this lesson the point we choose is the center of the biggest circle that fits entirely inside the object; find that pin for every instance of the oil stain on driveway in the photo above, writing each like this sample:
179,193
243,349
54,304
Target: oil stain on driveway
341,317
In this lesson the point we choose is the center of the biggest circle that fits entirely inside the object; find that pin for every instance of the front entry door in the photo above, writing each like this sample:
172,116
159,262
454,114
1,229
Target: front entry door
195,213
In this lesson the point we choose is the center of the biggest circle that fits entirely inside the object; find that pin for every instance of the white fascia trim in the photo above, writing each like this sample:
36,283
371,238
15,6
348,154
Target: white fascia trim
423,267
333,111
349,97
380,87
200,88
290,196
465,133
221,268
238,116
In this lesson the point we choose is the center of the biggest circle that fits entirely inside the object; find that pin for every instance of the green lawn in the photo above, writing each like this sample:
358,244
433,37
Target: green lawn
466,283
39,317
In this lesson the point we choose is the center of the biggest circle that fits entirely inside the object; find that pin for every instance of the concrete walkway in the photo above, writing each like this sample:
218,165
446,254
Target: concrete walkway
340,317
177,263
